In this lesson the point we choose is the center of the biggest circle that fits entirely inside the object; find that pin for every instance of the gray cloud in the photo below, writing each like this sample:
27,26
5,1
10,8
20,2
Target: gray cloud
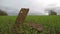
35,6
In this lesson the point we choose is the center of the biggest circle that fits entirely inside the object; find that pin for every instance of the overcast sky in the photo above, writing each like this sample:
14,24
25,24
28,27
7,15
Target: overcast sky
35,6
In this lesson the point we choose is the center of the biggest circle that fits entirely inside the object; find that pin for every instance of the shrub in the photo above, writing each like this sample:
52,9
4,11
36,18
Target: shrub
52,12
3,13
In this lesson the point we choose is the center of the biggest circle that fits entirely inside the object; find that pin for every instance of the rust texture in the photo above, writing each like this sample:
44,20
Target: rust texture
21,16
35,26
20,19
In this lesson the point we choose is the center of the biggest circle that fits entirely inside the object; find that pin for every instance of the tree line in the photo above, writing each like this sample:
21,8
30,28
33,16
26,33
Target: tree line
3,13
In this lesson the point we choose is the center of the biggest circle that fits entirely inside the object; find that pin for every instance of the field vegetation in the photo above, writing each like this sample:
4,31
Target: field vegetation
51,24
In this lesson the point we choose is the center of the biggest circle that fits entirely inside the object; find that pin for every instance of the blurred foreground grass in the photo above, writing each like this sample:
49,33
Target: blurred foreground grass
51,24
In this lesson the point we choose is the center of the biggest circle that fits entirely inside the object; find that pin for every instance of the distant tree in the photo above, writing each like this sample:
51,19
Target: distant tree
3,13
52,12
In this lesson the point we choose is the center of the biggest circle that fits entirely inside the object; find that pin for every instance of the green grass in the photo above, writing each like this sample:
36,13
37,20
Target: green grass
51,24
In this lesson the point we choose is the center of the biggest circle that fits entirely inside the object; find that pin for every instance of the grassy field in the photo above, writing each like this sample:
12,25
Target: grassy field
51,24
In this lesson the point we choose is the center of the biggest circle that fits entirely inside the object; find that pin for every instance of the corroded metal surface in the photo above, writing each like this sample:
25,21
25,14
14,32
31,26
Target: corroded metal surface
21,16
19,20
35,26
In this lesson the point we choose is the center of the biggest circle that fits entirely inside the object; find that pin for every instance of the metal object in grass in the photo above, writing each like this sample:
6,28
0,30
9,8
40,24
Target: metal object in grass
33,26
20,19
